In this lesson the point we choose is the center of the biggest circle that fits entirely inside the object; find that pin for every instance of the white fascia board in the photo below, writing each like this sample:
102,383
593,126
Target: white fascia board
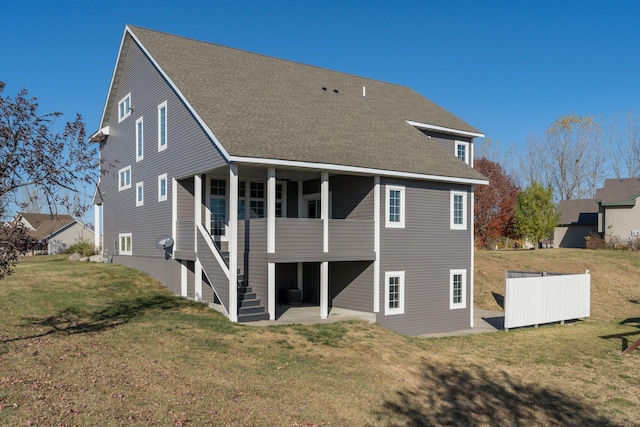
96,137
357,170
224,152
445,129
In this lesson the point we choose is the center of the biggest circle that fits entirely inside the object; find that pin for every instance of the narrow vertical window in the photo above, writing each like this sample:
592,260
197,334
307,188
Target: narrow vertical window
394,292
462,151
162,126
124,178
395,206
218,207
458,289
139,194
125,245
162,187
458,210
139,140
124,108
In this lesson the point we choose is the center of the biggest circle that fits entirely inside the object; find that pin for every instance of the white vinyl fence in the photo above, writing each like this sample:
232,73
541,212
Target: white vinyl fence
535,298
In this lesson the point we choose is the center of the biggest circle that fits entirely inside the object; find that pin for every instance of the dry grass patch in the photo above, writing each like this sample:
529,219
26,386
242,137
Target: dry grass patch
105,345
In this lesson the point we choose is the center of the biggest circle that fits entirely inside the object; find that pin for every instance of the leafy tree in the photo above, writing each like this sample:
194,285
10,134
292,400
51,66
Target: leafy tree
494,206
34,155
535,217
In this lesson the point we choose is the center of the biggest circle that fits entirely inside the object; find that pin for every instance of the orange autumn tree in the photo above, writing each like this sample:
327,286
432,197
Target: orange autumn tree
494,203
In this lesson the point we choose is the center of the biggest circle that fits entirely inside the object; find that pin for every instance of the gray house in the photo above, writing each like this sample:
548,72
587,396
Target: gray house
577,218
619,213
273,177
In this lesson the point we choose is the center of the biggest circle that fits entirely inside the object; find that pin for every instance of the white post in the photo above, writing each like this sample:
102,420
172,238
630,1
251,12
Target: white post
183,278
271,211
197,218
96,228
233,243
472,222
324,290
271,285
324,214
376,244
174,215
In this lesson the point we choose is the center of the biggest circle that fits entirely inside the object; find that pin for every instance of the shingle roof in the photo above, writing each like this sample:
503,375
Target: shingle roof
582,211
619,192
46,224
267,108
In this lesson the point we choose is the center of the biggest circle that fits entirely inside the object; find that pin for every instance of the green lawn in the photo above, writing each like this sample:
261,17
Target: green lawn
98,344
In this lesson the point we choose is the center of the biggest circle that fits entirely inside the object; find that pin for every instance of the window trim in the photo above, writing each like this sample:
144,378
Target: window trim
163,197
127,185
463,304
466,146
122,251
387,216
126,113
140,200
162,147
453,225
139,139
387,275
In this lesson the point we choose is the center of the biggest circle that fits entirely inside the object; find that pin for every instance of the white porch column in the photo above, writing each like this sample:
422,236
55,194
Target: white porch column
376,244
472,237
174,215
96,227
324,290
197,218
271,284
271,211
233,243
324,213
183,278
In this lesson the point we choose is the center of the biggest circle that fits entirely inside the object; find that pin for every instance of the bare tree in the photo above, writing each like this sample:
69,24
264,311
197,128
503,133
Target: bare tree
34,155
624,145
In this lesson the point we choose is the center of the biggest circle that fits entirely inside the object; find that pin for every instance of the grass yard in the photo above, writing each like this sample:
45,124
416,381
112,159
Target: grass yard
95,344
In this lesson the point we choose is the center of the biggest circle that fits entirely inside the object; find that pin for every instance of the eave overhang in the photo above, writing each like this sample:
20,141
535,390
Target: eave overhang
447,130
100,135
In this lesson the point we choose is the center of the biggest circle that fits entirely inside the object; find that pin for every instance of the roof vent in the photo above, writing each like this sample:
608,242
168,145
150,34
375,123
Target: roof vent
335,90
324,88
364,91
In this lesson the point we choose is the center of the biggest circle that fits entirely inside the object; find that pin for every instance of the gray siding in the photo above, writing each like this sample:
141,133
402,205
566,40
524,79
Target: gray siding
166,271
351,285
217,279
446,141
257,273
352,197
189,151
426,250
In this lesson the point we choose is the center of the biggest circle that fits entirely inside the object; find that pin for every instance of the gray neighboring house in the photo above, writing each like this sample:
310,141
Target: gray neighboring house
277,178
619,212
577,218
57,232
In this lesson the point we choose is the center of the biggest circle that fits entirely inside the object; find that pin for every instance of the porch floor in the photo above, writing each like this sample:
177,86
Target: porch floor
308,314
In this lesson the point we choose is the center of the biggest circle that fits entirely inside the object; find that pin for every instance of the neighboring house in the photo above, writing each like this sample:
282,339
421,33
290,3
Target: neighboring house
54,233
577,218
271,175
619,214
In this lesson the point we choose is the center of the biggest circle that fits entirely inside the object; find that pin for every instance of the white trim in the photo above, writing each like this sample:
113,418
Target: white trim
324,209
271,289
122,251
324,290
465,214
140,136
471,270
197,207
183,278
304,212
100,135
376,244
197,285
174,214
271,210
129,110
140,192
233,243
356,169
166,127
463,303
443,129
387,275
467,151
97,227
163,197
403,195
126,185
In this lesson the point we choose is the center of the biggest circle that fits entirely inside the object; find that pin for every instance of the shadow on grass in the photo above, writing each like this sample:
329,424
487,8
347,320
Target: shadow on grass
461,397
73,320
624,337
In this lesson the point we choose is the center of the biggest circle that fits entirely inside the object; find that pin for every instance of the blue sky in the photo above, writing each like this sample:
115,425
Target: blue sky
509,68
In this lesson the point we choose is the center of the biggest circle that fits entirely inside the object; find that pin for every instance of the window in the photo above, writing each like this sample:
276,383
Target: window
256,200
125,178
124,108
162,126
395,206
458,289
139,194
162,187
124,245
458,210
218,207
394,292
139,140
462,151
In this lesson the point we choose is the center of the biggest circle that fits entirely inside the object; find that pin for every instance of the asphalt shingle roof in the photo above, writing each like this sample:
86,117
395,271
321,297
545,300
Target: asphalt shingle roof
581,211
263,107
619,191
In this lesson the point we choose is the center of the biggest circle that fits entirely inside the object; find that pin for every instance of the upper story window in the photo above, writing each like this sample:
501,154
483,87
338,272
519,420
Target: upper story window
458,210
124,180
139,140
124,108
394,292
458,289
462,151
125,246
162,126
162,187
395,197
139,194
